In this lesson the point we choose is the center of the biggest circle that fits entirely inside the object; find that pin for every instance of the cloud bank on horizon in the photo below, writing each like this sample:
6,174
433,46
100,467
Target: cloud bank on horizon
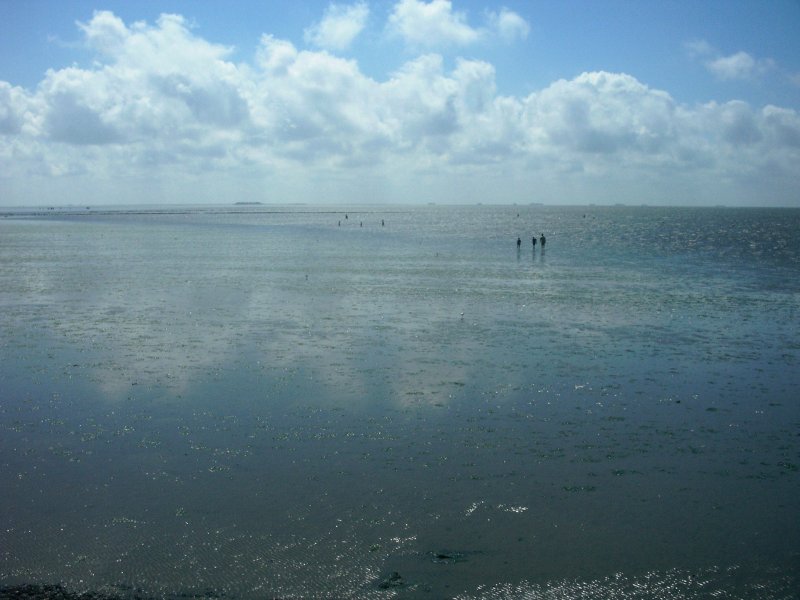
164,115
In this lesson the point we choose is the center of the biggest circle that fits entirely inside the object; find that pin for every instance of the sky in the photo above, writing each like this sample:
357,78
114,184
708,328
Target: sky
673,102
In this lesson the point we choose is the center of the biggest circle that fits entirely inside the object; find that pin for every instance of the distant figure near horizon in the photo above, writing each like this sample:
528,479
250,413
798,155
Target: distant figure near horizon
519,243
533,241
542,241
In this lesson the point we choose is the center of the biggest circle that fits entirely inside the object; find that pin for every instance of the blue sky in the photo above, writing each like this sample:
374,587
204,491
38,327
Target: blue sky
667,102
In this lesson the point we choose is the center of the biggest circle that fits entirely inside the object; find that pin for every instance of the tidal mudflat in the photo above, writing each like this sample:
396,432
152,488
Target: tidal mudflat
245,402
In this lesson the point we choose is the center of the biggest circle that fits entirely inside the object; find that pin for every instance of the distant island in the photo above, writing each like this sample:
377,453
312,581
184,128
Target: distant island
247,203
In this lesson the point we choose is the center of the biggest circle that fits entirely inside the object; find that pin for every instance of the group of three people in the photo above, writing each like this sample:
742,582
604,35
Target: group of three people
542,241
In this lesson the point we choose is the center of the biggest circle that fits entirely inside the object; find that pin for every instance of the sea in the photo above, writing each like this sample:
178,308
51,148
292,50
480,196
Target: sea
256,401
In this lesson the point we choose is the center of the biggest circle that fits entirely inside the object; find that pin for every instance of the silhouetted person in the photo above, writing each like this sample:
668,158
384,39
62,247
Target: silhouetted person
542,241
533,241
519,243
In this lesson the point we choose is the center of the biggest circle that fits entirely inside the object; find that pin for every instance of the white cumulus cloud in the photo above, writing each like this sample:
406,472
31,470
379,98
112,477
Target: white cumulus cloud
509,25
432,24
738,66
13,105
340,25
162,104
603,113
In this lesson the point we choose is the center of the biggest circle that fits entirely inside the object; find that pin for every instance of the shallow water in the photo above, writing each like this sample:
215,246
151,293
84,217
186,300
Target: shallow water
260,402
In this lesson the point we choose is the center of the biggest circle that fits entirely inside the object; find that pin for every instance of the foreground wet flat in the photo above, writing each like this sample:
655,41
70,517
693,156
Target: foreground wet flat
274,405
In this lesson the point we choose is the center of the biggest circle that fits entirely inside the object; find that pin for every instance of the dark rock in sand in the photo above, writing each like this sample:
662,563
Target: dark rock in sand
447,557
394,580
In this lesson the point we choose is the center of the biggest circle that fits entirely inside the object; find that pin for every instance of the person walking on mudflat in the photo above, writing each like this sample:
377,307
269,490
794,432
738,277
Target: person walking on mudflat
542,241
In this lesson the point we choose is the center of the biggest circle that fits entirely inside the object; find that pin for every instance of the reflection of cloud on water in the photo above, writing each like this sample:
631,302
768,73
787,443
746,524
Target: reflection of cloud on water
372,346
334,347
119,308
141,341
168,309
